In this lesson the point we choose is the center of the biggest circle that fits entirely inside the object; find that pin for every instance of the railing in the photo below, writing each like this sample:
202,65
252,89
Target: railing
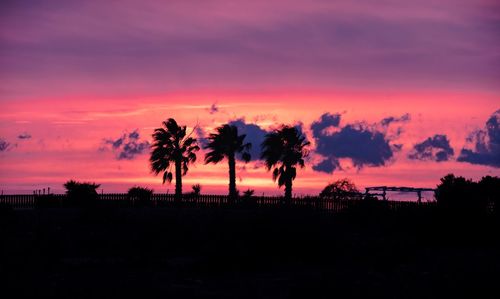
31,201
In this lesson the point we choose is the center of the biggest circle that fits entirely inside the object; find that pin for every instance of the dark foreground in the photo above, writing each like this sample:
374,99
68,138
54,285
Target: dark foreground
244,253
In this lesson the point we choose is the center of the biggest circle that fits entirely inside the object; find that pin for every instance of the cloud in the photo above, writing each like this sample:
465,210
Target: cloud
363,144
201,136
24,135
213,108
128,146
483,146
326,121
328,165
4,145
391,119
436,148
254,134
248,45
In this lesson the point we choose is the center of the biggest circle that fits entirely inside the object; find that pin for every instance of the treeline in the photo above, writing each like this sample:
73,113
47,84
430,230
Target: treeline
454,194
458,194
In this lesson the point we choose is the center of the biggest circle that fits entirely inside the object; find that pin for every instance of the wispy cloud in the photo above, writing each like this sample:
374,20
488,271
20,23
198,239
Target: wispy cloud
24,135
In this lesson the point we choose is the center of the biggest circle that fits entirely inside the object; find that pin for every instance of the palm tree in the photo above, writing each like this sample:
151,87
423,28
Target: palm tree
226,143
170,147
283,149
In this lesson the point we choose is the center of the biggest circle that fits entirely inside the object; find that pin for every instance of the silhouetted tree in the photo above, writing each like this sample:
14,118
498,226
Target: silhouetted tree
81,193
170,147
489,189
340,189
459,194
226,143
284,149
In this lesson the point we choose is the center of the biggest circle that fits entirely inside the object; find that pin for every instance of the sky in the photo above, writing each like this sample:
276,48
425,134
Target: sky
395,93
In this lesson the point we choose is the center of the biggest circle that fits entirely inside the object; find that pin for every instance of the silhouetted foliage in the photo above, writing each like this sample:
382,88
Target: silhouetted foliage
81,193
339,190
171,147
140,195
489,191
284,149
196,189
248,193
247,199
458,194
226,143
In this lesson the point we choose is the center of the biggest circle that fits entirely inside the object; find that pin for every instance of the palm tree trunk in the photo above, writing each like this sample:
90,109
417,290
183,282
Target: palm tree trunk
232,177
288,187
178,180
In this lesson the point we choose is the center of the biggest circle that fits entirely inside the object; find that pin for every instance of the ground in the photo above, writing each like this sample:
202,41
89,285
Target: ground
247,253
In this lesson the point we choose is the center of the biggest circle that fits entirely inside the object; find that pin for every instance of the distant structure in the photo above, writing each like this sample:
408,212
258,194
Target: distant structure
384,189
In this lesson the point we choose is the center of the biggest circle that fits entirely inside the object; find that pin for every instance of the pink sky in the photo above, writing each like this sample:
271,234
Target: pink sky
74,74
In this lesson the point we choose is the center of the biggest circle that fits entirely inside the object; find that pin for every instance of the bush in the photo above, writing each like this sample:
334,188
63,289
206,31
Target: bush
81,194
247,199
140,195
196,189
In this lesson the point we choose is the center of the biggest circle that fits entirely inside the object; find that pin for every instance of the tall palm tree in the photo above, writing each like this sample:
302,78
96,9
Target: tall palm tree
283,149
171,147
226,143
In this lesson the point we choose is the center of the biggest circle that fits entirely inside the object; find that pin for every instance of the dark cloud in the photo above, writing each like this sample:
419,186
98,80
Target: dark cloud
201,136
391,119
24,136
484,145
326,120
128,146
4,145
363,144
213,108
254,134
436,148
329,165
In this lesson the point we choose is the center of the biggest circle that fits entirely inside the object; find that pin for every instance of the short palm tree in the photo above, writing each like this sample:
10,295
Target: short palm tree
283,149
226,143
171,147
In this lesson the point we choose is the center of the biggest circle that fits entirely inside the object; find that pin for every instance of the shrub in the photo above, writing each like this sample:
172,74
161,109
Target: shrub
196,189
81,193
140,195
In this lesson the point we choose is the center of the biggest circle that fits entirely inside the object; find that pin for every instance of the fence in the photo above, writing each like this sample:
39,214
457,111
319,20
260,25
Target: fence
31,201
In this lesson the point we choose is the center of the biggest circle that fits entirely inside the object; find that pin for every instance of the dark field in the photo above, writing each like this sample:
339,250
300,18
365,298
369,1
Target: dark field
245,253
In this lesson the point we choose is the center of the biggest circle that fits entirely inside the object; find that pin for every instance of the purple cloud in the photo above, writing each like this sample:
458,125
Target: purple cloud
436,148
4,145
24,135
363,144
484,144
126,147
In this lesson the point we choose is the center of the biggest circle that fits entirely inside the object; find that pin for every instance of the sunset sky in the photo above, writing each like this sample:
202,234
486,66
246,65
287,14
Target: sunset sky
388,92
